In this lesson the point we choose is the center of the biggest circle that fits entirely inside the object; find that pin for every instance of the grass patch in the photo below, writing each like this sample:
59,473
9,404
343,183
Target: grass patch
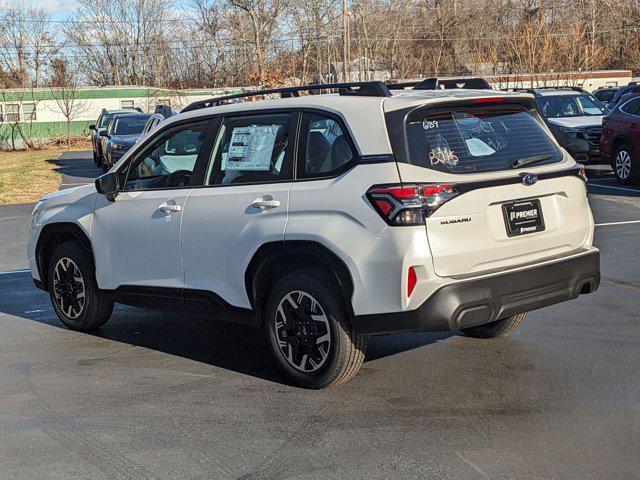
27,175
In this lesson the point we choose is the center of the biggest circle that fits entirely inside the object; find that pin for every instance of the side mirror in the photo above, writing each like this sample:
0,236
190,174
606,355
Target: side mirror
104,133
108,185
92,127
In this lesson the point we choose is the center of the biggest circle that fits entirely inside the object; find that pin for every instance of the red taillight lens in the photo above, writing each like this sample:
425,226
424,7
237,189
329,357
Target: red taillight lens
409,204
412,279
488,100
582,173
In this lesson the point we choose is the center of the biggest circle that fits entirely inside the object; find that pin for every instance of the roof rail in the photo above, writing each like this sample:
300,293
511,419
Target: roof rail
565,87
448,83
365,89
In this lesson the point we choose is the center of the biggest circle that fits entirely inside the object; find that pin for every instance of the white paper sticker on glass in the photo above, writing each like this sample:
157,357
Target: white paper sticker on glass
252,147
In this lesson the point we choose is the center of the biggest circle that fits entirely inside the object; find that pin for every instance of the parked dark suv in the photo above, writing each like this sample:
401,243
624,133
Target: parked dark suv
620,144
101,124
574,116
121,134
622,91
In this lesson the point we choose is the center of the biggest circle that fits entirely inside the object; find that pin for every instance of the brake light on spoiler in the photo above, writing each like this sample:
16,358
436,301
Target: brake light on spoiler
406,205
488,100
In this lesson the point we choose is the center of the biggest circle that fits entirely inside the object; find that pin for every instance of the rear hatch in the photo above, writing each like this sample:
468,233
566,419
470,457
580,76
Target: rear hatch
516,199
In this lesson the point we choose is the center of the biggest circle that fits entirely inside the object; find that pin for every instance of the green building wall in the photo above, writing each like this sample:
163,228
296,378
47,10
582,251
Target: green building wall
43,130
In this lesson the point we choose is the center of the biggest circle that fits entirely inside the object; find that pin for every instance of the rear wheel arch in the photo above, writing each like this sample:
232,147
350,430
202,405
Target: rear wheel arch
619,141
55,234
276,259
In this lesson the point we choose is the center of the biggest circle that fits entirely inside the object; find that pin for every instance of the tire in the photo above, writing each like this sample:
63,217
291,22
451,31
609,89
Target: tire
104,164
70,275
305,359
499,328
626,166
99,159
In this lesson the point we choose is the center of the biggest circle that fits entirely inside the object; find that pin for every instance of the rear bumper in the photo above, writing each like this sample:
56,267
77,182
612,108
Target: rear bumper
475,302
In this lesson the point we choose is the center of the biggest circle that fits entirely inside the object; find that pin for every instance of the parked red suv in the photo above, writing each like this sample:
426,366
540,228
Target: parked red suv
620,141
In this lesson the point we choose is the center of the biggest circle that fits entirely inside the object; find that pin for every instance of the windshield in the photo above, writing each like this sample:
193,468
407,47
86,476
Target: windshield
104,121
561,106
129,125
472,140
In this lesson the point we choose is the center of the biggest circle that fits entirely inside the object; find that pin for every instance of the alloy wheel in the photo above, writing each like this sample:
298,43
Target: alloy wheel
68,288
623,164
303,331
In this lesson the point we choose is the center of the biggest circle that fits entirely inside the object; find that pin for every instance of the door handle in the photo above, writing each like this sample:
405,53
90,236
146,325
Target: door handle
170,207
265,203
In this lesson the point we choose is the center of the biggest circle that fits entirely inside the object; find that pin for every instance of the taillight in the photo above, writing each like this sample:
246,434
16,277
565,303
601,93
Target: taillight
582,173
402,205
488,100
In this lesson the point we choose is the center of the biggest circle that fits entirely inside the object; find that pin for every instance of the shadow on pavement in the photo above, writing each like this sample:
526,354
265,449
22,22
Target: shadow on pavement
230,346
76,168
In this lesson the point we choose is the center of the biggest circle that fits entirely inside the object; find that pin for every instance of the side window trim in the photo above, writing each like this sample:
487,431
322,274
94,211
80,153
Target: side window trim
303,128
293,131
197,177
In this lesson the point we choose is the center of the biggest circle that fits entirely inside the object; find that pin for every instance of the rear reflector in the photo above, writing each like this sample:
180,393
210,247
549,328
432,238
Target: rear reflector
412,279
404,205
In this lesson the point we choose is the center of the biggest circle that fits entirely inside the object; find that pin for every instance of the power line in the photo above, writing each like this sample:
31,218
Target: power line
284,38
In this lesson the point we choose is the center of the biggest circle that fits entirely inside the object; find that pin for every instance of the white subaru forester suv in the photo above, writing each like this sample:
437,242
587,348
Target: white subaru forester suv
328,218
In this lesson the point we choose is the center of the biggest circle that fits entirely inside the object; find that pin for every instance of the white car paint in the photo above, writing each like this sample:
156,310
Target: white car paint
208,242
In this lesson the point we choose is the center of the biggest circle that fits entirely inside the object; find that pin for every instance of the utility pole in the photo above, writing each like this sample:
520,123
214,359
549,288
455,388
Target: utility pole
345,42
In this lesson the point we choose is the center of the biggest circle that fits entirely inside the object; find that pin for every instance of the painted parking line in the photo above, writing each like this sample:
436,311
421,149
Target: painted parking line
627,222
614,188
11,272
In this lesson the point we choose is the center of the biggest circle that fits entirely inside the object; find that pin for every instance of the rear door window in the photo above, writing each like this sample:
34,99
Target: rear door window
325,146
473,140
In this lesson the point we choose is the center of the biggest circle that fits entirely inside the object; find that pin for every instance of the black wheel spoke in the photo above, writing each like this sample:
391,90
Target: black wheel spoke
302,328
69,288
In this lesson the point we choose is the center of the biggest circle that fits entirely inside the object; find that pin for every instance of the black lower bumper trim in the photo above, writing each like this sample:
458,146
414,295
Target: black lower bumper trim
479,301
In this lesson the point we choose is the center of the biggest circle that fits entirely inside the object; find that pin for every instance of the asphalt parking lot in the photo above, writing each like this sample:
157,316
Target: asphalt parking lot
156,395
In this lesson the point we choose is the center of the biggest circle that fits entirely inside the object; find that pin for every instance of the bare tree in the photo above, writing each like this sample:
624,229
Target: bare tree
121,39
212,43
263,16
65,91
27,45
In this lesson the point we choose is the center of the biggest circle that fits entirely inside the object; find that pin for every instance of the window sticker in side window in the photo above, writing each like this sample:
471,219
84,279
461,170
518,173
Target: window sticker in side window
251,147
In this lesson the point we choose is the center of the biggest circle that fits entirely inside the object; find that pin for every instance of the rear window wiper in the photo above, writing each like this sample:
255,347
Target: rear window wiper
521,162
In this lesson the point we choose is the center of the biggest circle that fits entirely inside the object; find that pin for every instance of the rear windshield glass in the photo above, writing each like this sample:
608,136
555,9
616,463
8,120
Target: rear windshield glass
472,140
129,125
605,95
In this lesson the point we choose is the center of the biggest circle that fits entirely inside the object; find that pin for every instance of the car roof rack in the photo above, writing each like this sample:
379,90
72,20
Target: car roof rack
445,83
364,89
534,90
